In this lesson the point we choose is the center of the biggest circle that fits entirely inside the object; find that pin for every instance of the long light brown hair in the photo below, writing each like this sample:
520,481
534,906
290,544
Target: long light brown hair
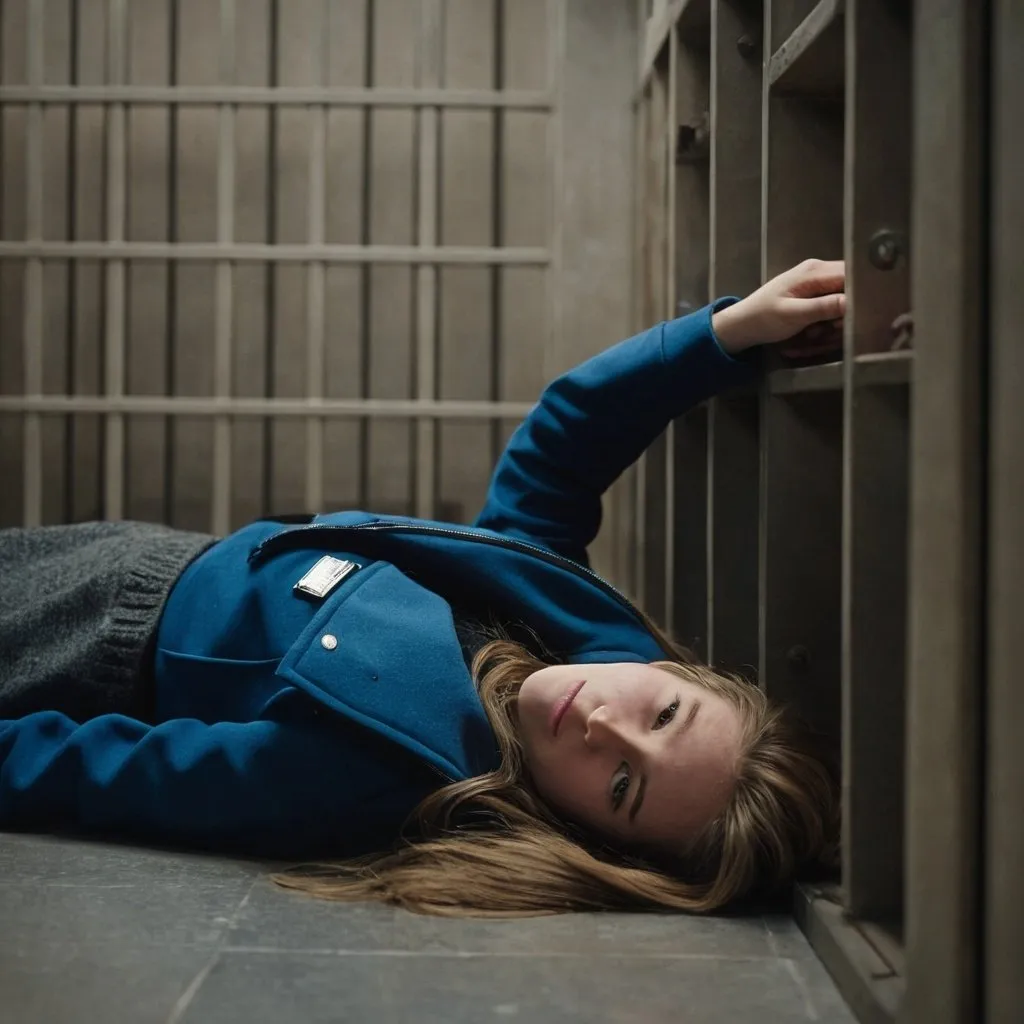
490,847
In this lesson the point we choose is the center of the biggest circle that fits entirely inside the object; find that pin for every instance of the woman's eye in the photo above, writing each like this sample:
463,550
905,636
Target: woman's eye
620,785
667,715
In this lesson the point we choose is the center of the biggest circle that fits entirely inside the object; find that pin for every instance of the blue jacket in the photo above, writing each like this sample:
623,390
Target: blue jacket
288,725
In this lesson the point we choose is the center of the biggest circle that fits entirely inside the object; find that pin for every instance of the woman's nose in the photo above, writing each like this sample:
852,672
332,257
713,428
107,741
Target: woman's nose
602,728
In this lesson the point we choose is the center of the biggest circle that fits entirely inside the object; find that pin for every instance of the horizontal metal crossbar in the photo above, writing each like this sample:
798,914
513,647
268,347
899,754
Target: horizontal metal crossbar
165,405
263,253
265,96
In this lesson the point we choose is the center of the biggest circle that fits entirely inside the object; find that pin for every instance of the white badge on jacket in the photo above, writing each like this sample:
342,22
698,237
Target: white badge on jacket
325,576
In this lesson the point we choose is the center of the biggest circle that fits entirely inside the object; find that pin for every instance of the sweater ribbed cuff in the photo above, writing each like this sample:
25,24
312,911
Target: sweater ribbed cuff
140,602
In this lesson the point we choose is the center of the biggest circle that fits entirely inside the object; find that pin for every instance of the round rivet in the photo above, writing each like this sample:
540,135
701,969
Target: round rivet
885,248
747,46
328,641
799,658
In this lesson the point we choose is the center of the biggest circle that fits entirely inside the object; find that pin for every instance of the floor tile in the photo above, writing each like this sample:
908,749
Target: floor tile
44,917
95,931
96,983
251,988
60,859
277,919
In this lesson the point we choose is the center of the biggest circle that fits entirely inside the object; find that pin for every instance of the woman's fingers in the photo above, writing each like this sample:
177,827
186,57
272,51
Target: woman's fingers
809,293
816,308
814,340
818,277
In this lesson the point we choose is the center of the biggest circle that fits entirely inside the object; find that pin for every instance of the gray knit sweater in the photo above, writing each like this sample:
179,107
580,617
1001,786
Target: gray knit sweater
79,607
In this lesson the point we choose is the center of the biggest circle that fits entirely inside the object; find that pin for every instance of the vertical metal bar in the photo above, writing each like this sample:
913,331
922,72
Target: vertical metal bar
316,271
497,221
114,304
875,470
640,530
270,298
1004,821
733,268
171,329
639,511
366,271
624,503
556,22
668,312
714,74
430,46
33,323
764,397
71,219
652,552
672,118
222,383
945,681
766,33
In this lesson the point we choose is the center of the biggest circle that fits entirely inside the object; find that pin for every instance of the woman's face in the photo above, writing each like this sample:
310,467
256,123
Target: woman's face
632,751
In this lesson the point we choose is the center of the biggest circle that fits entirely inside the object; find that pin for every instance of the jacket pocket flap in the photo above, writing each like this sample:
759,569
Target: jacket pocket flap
385,654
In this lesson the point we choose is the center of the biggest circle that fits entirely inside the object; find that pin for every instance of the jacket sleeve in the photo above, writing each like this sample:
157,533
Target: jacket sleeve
596,420
263,788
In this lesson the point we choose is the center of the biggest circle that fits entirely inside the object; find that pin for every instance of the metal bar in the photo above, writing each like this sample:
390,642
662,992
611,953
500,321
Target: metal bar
823,16
640,531
221,503
764,391
945,681
170,431
715,457
265,96
114,305
119,250
656,459
650,532
32,467
625,493
766,32
639,481
857,958
1004,822
498,163
431,42
668,312
792,380
269,275
657,31
733,269
316,272
71,439
172,405
365,277
556,21
875,466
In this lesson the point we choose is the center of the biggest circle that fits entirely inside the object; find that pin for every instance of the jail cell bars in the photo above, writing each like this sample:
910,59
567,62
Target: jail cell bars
848,535
260,256
772,523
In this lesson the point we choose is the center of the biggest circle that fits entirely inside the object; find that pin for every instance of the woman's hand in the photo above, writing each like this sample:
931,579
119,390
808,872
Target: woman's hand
811,293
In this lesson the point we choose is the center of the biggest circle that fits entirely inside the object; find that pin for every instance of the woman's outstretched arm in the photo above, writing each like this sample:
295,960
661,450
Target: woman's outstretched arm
264,788
594,421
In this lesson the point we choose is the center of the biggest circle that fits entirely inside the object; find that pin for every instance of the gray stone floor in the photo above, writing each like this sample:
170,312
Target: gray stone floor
97,933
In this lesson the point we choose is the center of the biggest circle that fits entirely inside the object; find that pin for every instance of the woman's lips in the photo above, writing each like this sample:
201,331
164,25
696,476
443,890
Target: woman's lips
562,705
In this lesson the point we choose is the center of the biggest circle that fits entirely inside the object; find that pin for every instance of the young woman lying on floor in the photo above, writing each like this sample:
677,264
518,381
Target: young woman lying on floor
459,719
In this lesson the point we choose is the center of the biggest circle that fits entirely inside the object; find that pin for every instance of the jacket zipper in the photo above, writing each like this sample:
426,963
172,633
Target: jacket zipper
267,547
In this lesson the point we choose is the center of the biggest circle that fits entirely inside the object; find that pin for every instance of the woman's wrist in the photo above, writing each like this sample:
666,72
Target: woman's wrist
732,334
